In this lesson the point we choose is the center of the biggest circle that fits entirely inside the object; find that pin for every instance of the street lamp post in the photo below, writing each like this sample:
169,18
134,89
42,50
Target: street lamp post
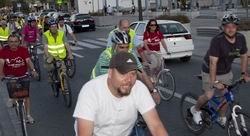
140,10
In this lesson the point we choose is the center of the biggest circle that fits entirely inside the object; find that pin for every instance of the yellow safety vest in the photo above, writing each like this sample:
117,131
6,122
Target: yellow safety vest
56,46
4,33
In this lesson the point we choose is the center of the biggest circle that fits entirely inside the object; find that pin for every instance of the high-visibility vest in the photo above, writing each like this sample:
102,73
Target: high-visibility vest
56,46
4,33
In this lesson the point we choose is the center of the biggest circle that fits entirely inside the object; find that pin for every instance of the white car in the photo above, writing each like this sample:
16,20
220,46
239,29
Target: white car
176,35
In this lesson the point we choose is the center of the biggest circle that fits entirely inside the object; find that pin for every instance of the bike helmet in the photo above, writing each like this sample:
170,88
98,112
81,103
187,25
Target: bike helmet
120,37
52,21
230,18
31,18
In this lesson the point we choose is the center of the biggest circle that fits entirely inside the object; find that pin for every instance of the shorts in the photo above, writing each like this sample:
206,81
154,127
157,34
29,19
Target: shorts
225,79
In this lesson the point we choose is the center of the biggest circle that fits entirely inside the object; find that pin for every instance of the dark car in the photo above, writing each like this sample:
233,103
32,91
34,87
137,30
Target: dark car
81,22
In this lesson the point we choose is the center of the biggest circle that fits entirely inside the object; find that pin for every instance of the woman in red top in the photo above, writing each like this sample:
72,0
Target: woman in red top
153,38
15,61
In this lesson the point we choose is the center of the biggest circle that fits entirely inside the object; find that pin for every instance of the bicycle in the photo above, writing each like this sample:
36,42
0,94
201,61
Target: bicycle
35,58
60,82
165,81
237,119
71,64
18,89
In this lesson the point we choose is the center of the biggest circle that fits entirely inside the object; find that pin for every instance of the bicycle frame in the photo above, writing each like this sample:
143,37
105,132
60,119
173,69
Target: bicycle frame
60,72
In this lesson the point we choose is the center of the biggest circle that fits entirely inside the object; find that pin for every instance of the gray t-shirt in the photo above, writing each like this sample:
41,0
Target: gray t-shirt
226,52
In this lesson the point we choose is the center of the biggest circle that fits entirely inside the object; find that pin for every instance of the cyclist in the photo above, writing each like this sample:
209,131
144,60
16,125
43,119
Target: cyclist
4,32
108,104
55,47
153,39
120,43
66,29
46,24
30,33
15,61
217,66
19,23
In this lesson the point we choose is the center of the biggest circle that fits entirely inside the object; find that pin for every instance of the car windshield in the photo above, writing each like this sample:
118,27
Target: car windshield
83,16
172,28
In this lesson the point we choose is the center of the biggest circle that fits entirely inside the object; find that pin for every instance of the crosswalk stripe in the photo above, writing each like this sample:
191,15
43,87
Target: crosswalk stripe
87,45
75,48
77,55
102,39
95,42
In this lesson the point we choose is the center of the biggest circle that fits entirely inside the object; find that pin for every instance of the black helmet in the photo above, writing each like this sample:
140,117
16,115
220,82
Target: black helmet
52,21
230,18
120,37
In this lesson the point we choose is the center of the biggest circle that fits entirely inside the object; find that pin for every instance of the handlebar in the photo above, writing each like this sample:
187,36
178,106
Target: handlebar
235,84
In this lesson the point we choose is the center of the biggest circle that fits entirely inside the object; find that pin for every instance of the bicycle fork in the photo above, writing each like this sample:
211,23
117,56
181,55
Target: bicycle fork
242,120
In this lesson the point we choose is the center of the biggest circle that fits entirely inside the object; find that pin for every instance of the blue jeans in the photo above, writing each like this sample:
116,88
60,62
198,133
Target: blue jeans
139,128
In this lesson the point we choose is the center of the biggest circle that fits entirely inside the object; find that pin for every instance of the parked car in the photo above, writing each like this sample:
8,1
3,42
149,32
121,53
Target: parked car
177,37
65,15
80,22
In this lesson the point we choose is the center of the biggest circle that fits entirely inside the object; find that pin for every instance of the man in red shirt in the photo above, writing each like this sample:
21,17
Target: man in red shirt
14,61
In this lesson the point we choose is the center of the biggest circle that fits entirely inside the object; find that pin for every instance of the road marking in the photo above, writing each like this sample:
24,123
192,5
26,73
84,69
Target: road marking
75,48
178,95
95,42
77,55
87,45
102,39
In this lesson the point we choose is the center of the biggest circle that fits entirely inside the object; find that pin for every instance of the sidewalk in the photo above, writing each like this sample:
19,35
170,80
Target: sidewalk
7,119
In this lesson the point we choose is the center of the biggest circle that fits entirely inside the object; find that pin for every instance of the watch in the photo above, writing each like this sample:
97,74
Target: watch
33,70
243,73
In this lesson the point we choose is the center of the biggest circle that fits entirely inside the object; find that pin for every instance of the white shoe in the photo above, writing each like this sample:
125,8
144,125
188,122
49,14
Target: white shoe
10,103
30,119
222,121
196,115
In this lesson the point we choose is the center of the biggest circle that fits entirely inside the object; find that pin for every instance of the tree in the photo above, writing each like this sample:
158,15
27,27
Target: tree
4,3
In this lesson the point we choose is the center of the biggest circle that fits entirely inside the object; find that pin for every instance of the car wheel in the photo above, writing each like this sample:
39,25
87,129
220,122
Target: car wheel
185,59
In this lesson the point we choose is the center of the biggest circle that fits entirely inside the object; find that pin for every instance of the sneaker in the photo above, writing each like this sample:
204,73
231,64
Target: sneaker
222,121
30,119
196,115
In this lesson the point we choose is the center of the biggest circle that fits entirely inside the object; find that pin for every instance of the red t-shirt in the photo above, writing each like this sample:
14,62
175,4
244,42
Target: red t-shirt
15,64
30,33
153,40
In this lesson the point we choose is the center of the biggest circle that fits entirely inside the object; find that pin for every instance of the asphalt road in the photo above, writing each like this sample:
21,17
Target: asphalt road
54,119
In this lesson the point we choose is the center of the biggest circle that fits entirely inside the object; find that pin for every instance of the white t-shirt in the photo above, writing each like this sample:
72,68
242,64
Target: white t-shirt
69,29
112,116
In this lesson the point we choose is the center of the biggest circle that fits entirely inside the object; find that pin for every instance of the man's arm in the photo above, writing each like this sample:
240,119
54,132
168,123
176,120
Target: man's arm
30,64
154,123
213,68
84,127
244,63
45,46
1,68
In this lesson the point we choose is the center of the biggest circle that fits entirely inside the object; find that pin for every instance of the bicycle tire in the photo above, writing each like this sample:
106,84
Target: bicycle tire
71,69
165,84
37,68
55,85
66,91
190,100
22,119
230,127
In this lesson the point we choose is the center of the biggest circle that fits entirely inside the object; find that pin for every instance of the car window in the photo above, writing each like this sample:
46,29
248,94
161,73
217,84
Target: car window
140,29
132,26
83,16
172,28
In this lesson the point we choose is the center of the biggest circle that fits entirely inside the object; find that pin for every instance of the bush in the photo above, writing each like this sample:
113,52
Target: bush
244,25
180,18
97,14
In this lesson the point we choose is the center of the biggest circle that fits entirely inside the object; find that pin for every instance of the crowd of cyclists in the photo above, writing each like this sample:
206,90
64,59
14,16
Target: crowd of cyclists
116,71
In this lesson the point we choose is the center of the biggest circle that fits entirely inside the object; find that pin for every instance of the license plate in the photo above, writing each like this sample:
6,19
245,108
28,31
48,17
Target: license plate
85,25
174,39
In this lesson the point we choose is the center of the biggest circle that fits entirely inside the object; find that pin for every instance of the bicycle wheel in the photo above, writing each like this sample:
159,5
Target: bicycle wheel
66,91
71,68
243,122
22,118
55,85
187,101
37,68
165,84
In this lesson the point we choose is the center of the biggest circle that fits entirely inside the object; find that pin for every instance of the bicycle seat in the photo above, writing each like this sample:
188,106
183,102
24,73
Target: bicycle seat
198,76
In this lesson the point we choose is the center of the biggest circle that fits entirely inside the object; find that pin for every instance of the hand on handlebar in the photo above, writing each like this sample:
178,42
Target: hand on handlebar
246,78
219,86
